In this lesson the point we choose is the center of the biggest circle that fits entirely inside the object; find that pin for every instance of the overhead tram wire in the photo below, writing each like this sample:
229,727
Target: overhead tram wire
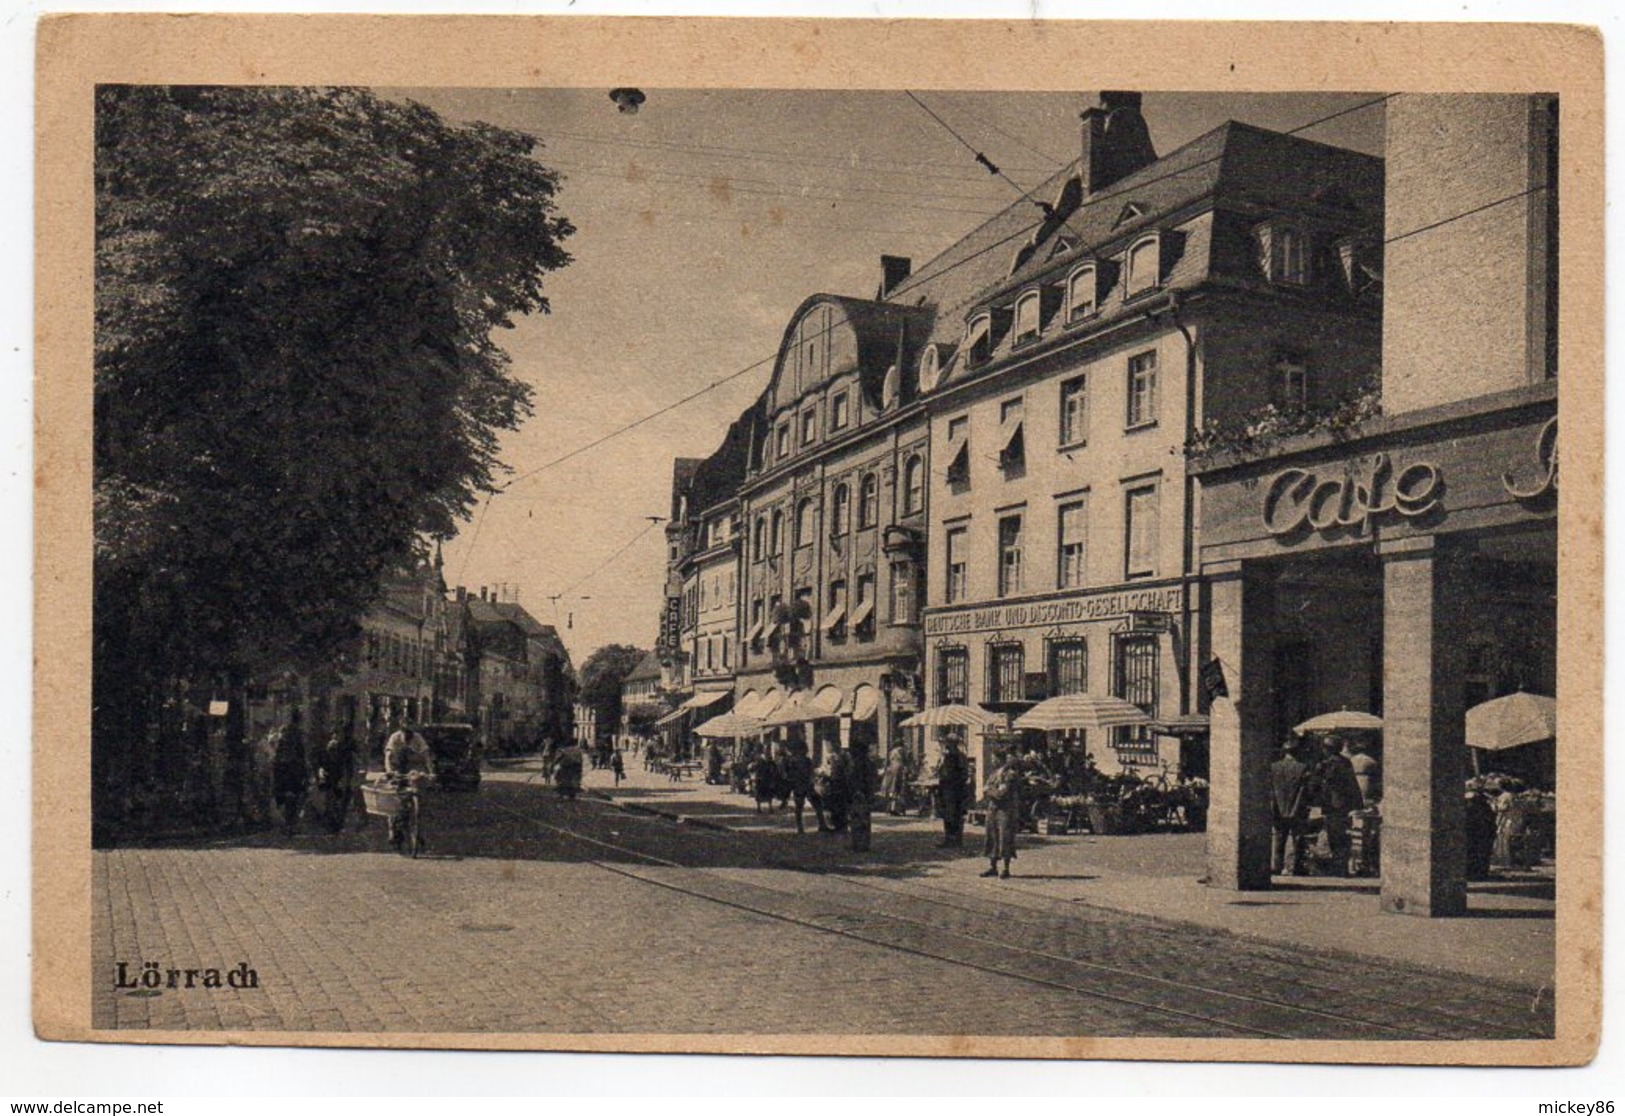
607,562
1049,159
794,187
992,167
925,276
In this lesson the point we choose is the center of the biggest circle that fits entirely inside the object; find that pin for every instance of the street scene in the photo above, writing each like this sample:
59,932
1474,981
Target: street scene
727,562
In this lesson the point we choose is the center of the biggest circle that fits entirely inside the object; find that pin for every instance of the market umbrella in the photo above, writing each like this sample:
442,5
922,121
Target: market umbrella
1344,720
730,724
1510,721
963,715
1083,711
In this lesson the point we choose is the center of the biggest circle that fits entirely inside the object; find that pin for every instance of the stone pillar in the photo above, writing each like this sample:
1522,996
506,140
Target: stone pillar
1241,614
1424,859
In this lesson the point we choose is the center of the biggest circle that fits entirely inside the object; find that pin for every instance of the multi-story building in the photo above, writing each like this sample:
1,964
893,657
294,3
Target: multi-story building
833,511
520,676
1065,376
1406,566
641,698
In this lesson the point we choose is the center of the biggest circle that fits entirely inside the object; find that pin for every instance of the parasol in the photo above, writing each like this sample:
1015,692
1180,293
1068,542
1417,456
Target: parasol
1510,721
1083,711
730,724
1344,720
964,715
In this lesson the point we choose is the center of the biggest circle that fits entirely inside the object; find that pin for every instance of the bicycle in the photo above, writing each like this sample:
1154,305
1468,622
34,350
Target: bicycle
399,798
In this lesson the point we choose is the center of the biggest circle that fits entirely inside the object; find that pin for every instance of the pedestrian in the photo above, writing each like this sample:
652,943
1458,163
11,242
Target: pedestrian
1367,771
893,784
335,777
798,780
953,791
290,773
618,765
1337,793
1003,791
1289,809
834,786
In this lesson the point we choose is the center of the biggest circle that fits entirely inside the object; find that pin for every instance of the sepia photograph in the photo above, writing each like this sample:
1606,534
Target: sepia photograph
683,566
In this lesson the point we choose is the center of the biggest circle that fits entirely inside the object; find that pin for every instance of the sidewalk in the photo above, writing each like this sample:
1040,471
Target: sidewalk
1508,934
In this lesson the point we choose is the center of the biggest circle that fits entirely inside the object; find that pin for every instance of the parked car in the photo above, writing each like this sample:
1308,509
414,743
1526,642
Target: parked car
457,752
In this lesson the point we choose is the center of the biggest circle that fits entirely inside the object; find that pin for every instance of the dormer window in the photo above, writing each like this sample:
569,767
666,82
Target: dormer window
979,339
1144,266
934,364
1283,253
1082,292
1027,317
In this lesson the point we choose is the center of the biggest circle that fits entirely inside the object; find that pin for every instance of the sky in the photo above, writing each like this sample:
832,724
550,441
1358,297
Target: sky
703,221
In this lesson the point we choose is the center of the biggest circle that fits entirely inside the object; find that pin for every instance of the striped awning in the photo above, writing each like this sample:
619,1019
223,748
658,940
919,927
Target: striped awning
865,702
748,704
705,698
963,715
729,724
1082,711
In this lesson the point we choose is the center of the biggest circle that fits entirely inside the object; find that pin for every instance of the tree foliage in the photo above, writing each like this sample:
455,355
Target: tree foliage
601,678
296,380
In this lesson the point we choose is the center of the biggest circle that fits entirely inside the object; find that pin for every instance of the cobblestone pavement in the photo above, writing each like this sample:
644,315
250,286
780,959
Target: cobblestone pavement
532,914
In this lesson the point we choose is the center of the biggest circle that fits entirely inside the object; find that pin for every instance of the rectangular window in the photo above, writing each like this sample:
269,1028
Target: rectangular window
784,440
1009,555
1140,532
834,623
903,596
1137,683
1006,664
809,427
955,581
1010,411
1142,389
863,617
953,676
839,415
957,427
726,665
1072,529
1075,412
1068,667
1292,382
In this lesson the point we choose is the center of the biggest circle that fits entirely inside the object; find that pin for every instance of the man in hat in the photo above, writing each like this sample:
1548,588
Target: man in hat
1334,788
1289,806
953,791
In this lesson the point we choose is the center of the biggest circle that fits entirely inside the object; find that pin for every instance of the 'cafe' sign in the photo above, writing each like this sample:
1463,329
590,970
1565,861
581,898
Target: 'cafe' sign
1298,499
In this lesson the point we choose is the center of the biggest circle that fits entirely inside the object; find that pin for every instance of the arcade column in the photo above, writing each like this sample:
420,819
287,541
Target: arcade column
1424,724
1241,615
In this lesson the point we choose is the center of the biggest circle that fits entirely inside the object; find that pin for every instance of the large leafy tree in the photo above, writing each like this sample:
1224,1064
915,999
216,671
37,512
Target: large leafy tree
296,378
601,678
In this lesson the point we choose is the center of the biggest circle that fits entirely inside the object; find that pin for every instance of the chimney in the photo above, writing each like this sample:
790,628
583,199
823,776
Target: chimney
462,594
482,593
1116,142
893,270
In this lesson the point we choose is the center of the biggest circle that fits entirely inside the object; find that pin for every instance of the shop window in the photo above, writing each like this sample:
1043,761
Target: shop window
1072,528
1082,289
953,676
1140,532
1006,665
1142,389
1009,555
841,509
1027,316
1068,667
955,581
1144,267
868,500
914,485
1075,411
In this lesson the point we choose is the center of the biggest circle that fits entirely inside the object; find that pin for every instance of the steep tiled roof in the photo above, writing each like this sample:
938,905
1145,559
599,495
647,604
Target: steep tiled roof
648,669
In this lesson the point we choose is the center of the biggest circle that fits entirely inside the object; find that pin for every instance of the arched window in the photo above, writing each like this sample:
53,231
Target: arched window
806,522
930,368
1144,266
1082,290
869,501
1027,317
914,485
776,535
979,339
759,548
841,515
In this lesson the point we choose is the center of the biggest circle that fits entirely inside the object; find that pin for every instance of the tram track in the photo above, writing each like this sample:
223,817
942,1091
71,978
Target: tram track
1224,1012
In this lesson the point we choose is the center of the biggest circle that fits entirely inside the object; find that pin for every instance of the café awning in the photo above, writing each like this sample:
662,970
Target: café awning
706,698
865,701
748,704
967,716
1342,721
1512,721
729,724
672,716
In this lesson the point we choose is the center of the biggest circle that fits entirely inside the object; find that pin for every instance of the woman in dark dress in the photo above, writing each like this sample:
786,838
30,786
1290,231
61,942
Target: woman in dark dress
1003,792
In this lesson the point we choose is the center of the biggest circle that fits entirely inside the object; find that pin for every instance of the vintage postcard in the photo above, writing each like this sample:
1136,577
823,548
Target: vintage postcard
820,537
